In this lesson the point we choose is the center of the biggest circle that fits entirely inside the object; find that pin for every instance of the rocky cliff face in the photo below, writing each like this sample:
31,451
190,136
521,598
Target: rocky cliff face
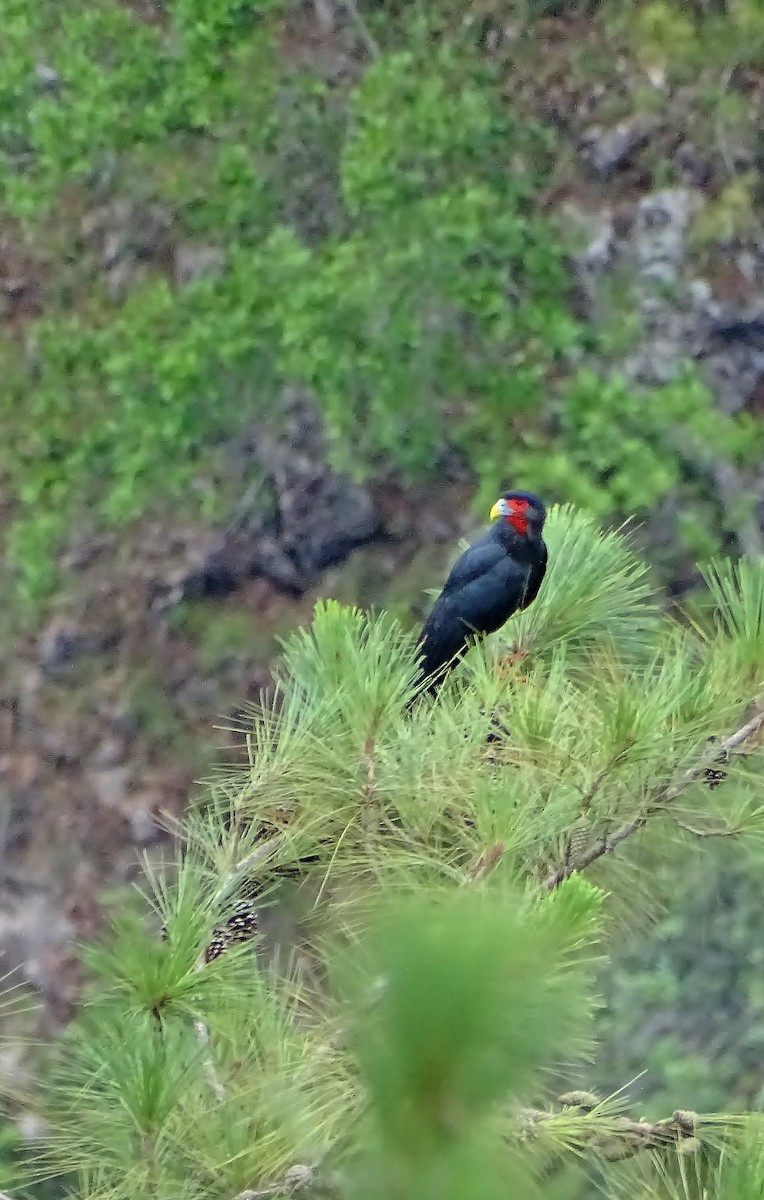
710,313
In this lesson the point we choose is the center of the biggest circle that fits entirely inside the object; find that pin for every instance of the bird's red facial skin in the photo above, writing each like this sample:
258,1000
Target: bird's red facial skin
517,518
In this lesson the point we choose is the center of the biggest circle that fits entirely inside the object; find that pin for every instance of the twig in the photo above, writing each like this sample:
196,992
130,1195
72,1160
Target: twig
485,862
203,1034
612,841
708,833
369,787
591,792
245,865
368,790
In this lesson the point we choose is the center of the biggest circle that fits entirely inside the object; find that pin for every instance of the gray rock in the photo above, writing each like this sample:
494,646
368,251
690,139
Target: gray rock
327,519
659,234
661,272
35,927
732,354
58,749
121,278
84,552
32,1127
143,828
700,294
739,327
48,79
116,246
60,643
598,255
151,229
648,246
127,232
317,517
110,786
680,319
695,170
22,811
125,725
15,286
63,642
194,261
110,752
747,265
103,217
610,150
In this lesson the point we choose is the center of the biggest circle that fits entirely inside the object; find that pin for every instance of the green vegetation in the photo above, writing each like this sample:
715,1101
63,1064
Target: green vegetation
229,636
684,1001
381,240
412,1017
731,215
685,38
11,1154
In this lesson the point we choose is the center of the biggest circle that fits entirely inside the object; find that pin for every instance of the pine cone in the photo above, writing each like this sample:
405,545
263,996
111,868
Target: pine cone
240,927
714,774
217,945
578,839
242,924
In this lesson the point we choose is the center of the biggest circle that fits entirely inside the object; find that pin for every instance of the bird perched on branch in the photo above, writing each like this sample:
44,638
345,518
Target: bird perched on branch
500,573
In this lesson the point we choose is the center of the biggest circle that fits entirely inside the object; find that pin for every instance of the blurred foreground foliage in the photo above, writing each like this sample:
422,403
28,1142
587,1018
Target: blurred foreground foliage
379,236
373,968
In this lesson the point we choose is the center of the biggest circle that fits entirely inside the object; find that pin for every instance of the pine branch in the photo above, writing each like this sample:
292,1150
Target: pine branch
584,1127
663,797
618,1138
299,1178
219,942
612,1138
587,799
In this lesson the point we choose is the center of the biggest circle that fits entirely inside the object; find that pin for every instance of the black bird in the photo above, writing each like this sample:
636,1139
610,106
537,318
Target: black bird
500,573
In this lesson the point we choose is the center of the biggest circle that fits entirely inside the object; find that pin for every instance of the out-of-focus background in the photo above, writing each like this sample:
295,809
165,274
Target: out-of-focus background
288,291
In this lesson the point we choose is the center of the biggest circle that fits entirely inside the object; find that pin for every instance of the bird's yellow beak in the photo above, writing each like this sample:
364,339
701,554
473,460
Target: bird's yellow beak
499,510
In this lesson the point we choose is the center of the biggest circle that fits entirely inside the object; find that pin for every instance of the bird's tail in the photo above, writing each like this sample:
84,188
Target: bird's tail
431,677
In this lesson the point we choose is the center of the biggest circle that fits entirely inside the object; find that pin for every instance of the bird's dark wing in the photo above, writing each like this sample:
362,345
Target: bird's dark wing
478,560
487,600
444,635
449,625
536,578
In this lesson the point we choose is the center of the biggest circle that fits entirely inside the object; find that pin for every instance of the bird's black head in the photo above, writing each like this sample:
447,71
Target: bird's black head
522,510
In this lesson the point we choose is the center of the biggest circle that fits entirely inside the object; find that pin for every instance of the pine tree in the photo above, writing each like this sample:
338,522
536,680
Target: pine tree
372,968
